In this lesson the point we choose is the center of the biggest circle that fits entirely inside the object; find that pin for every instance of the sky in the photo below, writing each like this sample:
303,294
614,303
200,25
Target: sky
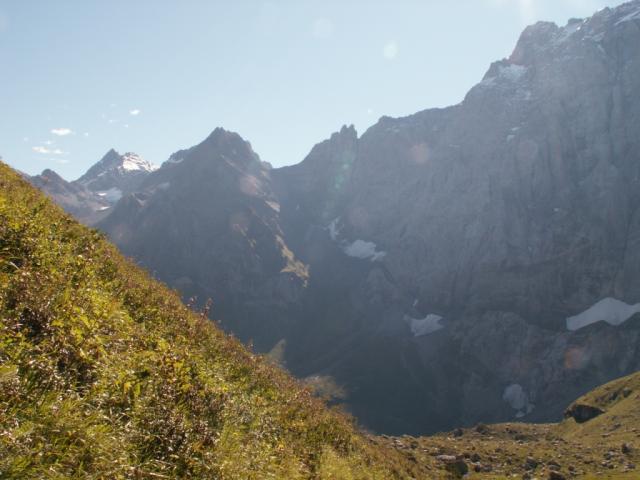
78,77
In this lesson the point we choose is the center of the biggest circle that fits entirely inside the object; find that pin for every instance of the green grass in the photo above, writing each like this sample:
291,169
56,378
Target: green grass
105,374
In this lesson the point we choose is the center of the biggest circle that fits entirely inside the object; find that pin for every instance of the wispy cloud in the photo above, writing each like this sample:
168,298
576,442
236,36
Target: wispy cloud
135,112
86,134
48,151
61,132
390,50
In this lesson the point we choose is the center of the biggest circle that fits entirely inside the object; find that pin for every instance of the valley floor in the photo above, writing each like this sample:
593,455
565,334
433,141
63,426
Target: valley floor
605,447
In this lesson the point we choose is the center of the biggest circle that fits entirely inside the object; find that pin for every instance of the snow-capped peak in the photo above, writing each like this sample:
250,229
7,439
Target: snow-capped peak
132,162
123,172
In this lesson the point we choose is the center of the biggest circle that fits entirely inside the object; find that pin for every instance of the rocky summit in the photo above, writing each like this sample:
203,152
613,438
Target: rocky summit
90,197
473,263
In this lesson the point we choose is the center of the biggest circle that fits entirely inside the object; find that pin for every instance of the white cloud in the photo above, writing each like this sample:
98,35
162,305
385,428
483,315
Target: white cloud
62,132
48,142
135,112
25,139
369,111
322,28
390,50
48,151
86,134
126,125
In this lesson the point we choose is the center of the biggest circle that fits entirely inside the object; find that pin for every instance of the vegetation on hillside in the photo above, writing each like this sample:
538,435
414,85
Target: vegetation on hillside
105,374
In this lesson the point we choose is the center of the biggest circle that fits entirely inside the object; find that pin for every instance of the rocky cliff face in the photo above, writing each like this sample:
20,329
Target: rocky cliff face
207,223
90,197
483,233
536,172
474,263
75,199
513,211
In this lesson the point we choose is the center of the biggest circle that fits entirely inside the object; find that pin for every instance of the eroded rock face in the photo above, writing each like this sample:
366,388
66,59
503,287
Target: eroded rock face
505,215
524,197
430,266
207,223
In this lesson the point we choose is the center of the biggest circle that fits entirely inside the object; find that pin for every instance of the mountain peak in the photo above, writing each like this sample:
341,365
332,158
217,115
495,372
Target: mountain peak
536,40
50,175
346,131
132,161
123,172
113,161
220,135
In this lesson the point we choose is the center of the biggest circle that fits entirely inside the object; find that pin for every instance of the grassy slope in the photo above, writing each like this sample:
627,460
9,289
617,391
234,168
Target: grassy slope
590,450
105,374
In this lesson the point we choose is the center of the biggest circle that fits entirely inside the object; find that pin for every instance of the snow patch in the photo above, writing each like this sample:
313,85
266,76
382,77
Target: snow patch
517,399
112,195
424,326
275,206
334,231
132,162
569,30
357,249
614,312
634,15
363,250
102,209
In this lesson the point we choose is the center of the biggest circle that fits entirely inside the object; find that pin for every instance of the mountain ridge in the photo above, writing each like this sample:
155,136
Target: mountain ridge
444,251
104,373
187,401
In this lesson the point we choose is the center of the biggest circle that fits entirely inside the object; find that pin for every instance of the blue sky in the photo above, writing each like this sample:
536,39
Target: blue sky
150,76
